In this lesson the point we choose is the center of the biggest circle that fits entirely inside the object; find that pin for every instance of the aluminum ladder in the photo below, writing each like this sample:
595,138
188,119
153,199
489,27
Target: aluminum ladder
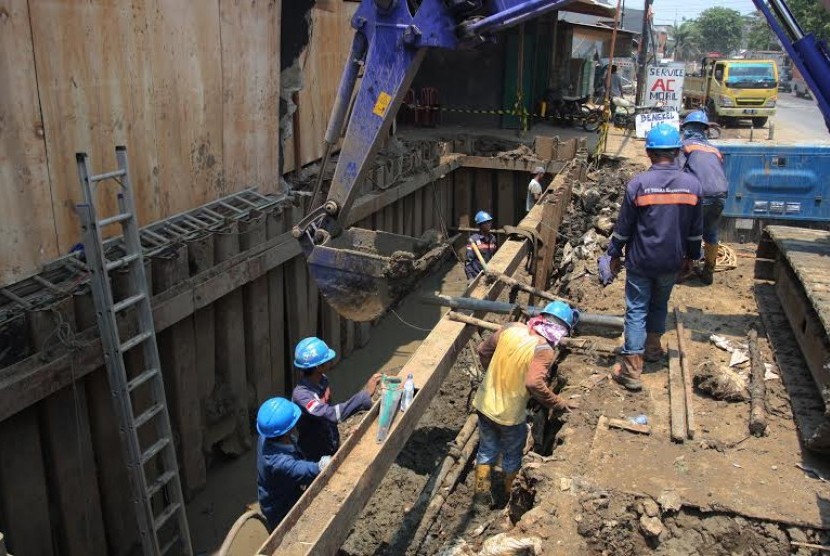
159,505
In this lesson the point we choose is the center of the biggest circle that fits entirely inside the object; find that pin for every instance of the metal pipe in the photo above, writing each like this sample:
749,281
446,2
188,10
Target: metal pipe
500,307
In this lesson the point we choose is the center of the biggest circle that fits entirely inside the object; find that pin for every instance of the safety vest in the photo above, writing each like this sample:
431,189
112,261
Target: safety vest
502,396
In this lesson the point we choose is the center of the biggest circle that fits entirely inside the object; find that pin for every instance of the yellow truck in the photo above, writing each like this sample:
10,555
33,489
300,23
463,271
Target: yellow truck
734,89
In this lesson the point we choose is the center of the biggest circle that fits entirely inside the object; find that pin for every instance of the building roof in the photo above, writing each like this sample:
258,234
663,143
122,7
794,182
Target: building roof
590,8
632,20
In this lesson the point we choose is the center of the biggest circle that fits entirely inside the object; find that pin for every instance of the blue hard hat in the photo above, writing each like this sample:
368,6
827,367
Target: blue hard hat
482,217
696,117
663,137
276,417
562,311
312,352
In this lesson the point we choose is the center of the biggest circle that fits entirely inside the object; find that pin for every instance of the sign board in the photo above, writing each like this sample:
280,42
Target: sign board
645,122
664,85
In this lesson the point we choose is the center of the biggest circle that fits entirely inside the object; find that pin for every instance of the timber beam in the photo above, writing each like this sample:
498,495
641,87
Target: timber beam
321,520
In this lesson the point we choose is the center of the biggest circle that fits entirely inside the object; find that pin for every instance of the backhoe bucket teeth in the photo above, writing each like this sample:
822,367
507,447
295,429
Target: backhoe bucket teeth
361,273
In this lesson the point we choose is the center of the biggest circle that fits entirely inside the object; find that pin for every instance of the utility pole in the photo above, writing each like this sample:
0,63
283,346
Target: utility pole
645,36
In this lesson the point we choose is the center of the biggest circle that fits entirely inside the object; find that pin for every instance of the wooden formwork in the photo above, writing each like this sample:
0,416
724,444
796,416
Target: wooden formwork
228,307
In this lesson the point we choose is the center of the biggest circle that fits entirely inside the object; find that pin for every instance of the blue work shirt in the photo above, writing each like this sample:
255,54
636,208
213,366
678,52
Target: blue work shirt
703,160
660,221
318,424
486,243
282,475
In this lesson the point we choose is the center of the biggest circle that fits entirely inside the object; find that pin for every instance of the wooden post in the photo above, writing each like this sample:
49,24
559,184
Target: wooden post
757,389
113,478
484,190
24,502
177,353
230,347
275,224
544,254
506,195
296,297
463,198
200,255
429,210
417,214
257,325
676,396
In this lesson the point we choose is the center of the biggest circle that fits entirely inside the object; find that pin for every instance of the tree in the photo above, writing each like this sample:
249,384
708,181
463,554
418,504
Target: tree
720,29
760,35
686,41
812,16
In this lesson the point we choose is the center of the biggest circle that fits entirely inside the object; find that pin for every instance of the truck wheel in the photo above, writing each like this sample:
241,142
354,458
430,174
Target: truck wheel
759,122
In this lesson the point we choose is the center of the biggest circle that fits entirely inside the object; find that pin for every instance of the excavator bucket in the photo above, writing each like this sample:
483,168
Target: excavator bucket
361,273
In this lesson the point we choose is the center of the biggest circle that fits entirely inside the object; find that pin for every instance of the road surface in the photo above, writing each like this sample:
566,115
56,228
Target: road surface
799,120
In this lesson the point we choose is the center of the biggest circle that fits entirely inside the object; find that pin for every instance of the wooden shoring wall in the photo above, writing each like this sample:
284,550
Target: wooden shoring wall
228,308
191,87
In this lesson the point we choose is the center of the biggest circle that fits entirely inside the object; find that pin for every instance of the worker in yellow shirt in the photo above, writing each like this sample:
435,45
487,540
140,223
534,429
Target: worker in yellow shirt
518,358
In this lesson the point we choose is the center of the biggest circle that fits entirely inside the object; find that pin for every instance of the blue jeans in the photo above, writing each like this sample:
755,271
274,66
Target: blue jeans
495,439
646,307
712,209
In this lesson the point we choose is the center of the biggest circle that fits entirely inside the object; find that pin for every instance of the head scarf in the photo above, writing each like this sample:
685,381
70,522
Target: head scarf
551,331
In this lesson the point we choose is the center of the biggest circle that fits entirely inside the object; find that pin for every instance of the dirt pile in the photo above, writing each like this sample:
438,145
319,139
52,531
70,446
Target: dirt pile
586,229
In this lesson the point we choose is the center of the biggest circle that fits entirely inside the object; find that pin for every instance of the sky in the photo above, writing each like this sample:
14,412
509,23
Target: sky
667,11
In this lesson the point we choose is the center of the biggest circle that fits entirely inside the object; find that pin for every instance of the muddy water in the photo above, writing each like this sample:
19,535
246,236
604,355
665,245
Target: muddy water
231,485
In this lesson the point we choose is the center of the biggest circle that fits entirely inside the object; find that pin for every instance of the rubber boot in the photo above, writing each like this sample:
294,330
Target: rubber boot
654,349
627,372
710,259
482,492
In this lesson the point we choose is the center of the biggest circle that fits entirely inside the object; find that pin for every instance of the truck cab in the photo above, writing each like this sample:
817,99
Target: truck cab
735,89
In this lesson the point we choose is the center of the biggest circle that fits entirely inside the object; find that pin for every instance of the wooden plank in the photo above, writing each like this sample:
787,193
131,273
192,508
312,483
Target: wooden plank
417,213
200,258
24,502
409,215
489,163
72,474
27,222
95,94
177,352
250,41
484,190
506,195
677,405
347,335
185,52
331,327
429,207
686,367
345,487
257,323
275,225
463,198
545,251
230,349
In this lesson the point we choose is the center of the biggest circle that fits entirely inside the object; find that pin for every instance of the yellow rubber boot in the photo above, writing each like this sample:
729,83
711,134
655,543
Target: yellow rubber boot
710,260
482,492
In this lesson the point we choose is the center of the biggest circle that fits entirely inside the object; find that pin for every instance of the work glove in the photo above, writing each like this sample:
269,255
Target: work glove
608,269
324,462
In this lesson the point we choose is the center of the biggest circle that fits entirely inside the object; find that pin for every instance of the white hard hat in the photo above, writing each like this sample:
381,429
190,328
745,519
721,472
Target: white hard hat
539,170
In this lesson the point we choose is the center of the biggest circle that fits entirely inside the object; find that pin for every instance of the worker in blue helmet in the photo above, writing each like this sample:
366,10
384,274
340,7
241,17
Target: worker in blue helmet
702,159
517,358
318,425
484,241
659,231
283,471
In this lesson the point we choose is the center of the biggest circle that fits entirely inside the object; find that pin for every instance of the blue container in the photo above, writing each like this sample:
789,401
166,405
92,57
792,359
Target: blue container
786,182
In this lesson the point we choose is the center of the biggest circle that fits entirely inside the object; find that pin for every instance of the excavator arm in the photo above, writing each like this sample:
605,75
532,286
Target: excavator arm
810,55
362,272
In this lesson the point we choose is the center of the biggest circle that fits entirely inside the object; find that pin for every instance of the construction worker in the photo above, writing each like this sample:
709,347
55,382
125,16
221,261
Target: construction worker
659,227
283,471
484,241
318,425
702,159
534,188
518,358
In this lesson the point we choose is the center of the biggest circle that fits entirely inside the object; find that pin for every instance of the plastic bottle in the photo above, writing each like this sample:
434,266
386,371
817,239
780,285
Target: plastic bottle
639,419
408,393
